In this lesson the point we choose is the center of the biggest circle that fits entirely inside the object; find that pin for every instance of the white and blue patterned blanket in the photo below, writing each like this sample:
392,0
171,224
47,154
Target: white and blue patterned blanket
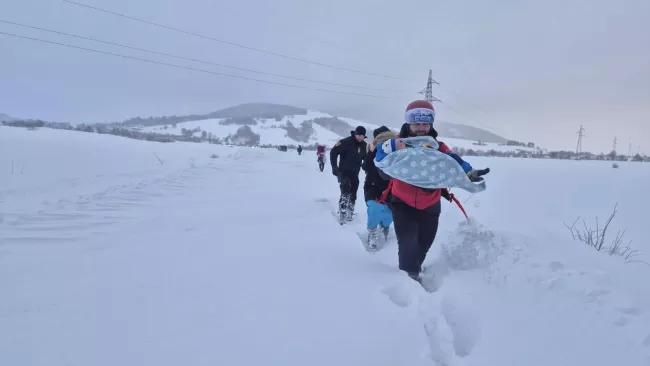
422,165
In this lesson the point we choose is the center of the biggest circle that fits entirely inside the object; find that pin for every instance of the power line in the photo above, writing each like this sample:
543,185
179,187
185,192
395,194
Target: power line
197,60
255,49
428,93
231,43
457,95
252,48
195,69
468,117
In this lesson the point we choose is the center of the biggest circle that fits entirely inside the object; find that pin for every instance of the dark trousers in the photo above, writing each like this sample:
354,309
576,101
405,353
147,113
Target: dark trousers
349,184
415,230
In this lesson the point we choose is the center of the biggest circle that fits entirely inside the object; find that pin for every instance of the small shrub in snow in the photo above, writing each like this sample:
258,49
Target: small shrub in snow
161,161
214,156
596,238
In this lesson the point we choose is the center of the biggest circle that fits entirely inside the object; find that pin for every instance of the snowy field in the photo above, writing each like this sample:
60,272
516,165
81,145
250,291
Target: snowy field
122,252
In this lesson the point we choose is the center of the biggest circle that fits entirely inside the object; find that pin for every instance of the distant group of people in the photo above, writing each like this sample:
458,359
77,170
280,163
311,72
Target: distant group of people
414,210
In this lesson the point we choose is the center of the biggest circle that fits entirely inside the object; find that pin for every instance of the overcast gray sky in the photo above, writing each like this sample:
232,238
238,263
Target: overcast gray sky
528,70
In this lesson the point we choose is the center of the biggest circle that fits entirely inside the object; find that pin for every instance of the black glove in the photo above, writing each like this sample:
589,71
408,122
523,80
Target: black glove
477,175
335,171
446,195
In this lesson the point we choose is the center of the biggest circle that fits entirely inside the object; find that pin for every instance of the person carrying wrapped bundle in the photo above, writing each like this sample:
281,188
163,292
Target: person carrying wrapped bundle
420,169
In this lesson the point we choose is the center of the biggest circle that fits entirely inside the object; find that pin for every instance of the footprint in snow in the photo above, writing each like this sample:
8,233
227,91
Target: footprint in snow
403,293
463,321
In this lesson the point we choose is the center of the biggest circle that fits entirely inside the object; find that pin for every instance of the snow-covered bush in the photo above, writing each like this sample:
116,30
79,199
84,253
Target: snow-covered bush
596,237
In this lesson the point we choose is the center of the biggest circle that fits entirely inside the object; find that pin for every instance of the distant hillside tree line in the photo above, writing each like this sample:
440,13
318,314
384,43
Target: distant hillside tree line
561,155
28,123
246,111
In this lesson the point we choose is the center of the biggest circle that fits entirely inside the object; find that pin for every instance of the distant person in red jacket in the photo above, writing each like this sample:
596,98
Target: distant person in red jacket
320,153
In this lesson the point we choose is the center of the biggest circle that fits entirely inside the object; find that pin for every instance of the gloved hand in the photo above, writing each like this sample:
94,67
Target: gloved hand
447,195
477,175
335,171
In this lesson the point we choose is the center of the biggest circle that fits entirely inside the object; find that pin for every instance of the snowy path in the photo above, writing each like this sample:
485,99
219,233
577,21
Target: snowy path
212,265
238,261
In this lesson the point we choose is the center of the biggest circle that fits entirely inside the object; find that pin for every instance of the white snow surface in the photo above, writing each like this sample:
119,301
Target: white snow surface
108,257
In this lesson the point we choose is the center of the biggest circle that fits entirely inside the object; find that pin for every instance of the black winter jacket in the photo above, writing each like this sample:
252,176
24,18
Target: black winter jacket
352,155
374,184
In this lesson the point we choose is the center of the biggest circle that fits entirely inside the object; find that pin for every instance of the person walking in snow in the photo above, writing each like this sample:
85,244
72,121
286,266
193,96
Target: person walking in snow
352,151
320,153
416,211
299,149
379,215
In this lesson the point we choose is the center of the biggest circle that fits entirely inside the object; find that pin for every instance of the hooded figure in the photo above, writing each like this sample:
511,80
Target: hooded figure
379,215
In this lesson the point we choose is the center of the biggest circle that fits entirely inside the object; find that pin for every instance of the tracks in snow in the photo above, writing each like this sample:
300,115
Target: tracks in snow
451,325
85,216
451,328
475,264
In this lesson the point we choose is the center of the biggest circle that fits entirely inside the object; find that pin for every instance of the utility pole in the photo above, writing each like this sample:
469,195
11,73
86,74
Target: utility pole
629,150
581,135
428,91
615,143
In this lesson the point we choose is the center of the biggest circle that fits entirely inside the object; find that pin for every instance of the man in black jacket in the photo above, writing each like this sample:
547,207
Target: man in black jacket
352,151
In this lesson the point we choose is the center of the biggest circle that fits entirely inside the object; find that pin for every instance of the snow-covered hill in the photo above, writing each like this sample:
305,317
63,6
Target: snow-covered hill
306,129
5,118
270,130
116,251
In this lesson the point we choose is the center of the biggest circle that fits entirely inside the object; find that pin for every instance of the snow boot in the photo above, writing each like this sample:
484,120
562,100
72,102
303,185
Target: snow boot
342,217
349,214
344,208
384,230
373,238
415,276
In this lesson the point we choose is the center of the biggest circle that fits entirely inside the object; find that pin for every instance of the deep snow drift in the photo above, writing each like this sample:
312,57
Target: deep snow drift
122,252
